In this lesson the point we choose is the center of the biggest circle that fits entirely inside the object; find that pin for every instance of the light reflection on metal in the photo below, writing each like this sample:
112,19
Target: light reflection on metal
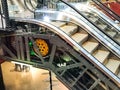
79,20
21,63
74,44
46,18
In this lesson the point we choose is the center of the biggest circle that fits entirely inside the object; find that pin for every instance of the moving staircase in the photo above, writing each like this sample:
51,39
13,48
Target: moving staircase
91,64
90,44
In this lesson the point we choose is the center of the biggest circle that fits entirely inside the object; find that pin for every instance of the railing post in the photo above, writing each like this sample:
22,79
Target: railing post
2,86
5,12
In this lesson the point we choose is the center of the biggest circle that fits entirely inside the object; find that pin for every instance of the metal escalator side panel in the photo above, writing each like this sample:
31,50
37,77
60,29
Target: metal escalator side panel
101,36
79,20
98,12
107,31
77,47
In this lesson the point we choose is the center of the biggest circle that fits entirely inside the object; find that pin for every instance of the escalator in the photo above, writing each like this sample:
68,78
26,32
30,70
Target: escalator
73,73
88,43
81,58
99,21
84,39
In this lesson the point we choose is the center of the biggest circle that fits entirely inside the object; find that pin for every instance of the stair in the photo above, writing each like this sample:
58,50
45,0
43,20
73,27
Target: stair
103,27
111,33
113,65
80,37
69,29
90,46
93,19
58,24
101,55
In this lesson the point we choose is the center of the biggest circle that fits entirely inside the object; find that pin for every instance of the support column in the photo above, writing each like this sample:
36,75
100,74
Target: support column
50,74
5,12
2,86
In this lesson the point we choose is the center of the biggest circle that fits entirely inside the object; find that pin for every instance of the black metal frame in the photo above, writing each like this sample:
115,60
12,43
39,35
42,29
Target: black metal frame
73,80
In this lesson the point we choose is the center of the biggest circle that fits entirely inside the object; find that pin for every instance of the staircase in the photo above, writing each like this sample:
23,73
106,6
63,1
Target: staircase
90,44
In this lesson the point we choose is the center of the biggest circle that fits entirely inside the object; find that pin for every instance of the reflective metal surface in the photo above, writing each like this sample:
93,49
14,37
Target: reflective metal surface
70,17
75,46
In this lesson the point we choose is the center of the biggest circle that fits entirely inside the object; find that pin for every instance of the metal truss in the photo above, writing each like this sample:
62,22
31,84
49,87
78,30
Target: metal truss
71,68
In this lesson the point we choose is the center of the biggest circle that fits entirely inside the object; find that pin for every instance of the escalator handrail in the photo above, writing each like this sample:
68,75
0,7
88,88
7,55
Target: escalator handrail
76,46
109,11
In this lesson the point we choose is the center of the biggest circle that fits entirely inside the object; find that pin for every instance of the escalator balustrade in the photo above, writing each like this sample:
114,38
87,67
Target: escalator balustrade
106,28
93,46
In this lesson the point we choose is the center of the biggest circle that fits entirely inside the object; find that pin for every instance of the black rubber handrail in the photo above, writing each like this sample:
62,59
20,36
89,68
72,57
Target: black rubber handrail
107,10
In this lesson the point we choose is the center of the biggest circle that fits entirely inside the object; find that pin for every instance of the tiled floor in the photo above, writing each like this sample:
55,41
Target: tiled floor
35,79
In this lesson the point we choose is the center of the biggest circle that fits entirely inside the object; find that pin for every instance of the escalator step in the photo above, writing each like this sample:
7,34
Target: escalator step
112,34
93,19
58,24
80,37
69,29
113,65
103,27
101,55
90,46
